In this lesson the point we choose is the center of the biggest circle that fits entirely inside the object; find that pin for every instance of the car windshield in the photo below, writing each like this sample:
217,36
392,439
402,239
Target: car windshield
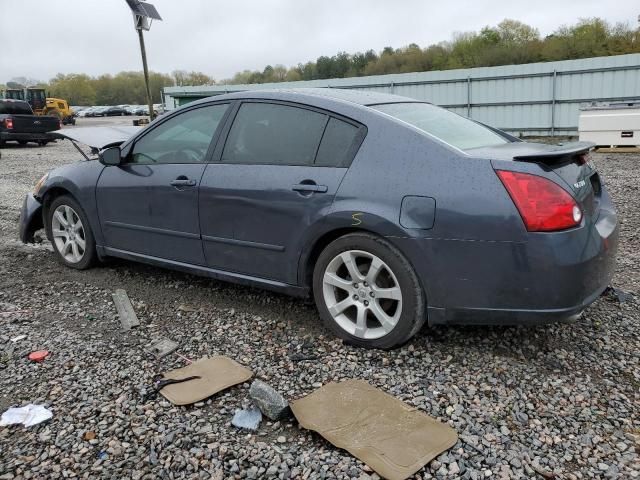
15,108
447,126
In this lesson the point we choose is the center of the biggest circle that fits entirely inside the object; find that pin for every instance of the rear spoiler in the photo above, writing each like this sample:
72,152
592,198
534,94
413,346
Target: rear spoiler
552,152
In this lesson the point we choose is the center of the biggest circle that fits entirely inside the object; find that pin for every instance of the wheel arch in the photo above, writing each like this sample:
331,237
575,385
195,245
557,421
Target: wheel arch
305,273
310,257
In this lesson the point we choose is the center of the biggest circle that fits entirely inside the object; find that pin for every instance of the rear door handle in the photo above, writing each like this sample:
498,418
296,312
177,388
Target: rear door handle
183,182
306,187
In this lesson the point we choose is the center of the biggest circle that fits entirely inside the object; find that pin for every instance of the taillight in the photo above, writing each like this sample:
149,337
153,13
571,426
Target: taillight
543,205
8,123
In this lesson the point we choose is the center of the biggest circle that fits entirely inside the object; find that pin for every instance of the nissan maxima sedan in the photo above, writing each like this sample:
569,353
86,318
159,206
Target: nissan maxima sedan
390,212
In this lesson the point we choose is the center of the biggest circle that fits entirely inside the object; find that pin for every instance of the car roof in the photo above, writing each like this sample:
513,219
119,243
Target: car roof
363,98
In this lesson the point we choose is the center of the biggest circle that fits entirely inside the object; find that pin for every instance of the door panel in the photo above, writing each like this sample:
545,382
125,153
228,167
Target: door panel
149,205
142,212
252,216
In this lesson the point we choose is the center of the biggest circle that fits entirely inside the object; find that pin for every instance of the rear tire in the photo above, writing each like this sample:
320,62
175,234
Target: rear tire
70,233
383,306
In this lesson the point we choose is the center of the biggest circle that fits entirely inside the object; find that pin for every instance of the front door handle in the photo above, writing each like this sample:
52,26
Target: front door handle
183,181
310,187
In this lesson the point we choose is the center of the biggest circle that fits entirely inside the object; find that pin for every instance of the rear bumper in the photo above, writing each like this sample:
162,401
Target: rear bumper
30,218
550,277
26,137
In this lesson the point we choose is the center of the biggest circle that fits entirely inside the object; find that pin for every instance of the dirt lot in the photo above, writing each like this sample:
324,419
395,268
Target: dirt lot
558,401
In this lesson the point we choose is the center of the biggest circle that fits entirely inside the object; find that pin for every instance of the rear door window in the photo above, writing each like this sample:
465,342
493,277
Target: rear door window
274,134
338,144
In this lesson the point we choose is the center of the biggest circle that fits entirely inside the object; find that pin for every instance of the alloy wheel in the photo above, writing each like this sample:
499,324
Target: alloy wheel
362,294
68,233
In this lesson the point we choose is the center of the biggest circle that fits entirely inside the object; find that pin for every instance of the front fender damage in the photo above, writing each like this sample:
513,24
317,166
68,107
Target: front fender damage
30,218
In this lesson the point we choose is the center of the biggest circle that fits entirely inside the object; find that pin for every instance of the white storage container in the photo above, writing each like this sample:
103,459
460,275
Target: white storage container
610,125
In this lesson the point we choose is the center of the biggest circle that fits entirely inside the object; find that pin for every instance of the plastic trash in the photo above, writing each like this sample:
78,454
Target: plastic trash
249,418
38,356
28,415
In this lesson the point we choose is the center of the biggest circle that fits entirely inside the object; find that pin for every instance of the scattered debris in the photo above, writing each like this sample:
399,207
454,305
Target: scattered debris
215,374
268,400
28,415
622,295
391,437
542,472
301,357
126,313
18,338
188,360
89,435
187,308
159,383
249,418
39,355
161,347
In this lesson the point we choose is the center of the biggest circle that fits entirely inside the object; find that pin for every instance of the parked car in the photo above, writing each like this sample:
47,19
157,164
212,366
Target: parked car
141,110
78,109
19,124
114,111
85,112
389,211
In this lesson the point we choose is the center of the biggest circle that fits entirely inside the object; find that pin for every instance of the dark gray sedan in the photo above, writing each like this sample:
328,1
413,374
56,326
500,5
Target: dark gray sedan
389,211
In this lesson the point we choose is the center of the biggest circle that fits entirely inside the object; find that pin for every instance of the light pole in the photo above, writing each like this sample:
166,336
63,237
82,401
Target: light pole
143,14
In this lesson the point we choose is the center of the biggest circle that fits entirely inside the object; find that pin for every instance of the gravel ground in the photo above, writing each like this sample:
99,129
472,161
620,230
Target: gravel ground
559,401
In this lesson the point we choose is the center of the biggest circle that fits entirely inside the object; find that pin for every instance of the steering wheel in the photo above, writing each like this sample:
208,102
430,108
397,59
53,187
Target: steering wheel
193,154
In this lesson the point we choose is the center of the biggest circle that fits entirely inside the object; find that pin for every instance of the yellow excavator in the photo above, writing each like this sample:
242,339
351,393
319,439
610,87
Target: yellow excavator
41,104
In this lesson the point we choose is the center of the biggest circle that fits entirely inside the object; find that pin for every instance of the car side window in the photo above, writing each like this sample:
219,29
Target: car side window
184,138
337,145
274,134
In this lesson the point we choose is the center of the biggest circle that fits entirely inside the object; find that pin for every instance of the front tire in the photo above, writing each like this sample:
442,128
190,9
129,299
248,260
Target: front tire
367,292
70,233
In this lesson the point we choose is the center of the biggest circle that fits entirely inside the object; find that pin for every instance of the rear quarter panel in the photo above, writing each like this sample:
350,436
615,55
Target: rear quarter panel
472,206
396,160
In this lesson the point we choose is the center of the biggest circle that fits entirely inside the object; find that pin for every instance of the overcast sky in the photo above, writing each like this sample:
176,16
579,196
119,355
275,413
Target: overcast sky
39,38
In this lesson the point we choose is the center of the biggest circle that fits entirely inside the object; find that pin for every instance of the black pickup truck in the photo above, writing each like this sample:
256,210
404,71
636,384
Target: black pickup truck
19,124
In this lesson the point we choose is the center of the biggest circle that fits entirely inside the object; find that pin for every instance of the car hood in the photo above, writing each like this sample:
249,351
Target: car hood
98,137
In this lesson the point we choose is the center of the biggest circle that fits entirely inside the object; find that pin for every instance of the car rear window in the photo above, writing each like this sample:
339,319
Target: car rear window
453,129
15,108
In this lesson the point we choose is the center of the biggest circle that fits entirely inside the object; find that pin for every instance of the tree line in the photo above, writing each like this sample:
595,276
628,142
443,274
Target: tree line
124,88
509,42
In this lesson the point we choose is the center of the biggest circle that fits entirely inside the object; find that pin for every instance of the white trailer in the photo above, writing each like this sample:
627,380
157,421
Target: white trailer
611,125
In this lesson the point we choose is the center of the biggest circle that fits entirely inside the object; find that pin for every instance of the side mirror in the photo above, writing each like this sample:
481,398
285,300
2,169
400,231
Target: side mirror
111,156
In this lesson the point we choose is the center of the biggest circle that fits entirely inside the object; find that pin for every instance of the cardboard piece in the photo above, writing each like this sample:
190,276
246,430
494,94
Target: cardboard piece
217,373
391,437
